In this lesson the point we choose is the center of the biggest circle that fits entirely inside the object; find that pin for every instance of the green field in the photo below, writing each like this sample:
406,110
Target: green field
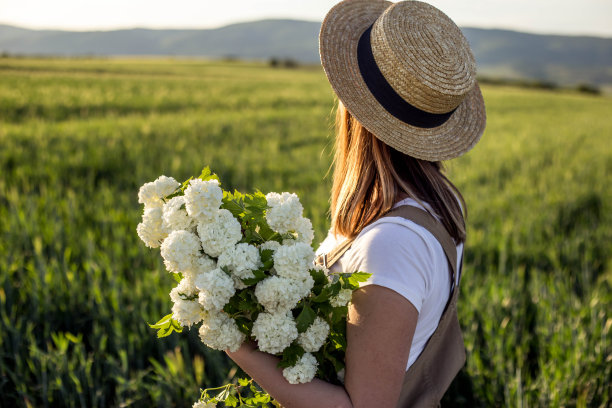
77,287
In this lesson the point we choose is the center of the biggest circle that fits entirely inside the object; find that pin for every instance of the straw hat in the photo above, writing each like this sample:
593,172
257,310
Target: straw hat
406,73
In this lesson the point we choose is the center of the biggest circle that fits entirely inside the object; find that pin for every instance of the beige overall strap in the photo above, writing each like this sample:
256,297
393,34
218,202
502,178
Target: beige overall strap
327,260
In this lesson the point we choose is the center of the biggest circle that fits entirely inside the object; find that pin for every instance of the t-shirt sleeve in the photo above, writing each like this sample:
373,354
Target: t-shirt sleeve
398,257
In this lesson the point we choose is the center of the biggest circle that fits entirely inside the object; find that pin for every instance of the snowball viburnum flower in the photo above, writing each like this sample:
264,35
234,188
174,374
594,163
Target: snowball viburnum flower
284,212
303,372
150,229
314,337
342,298
185,310
274,332
220,234
277,294
303,228
220,332
203,198
152,194
180,251
294,261
175,216
216,289
240,260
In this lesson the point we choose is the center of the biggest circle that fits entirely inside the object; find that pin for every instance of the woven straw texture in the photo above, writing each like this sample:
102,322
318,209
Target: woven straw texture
424,57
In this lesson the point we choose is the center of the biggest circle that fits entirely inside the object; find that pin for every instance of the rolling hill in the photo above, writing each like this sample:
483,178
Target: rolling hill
566,60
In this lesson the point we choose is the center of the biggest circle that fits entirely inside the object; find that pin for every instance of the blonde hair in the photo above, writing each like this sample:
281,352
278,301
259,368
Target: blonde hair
369,177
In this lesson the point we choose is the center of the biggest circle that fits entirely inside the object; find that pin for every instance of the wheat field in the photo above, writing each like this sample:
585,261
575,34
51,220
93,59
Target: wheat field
78,137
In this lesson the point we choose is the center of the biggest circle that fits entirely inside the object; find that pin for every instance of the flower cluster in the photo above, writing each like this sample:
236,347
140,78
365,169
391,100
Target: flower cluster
244,264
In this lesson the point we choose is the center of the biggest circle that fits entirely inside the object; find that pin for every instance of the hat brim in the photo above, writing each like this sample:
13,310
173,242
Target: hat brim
338,39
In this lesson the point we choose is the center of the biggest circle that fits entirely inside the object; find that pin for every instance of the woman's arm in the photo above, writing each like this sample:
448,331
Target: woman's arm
380,327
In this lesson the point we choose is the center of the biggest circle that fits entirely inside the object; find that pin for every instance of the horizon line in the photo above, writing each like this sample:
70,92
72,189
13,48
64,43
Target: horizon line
157,27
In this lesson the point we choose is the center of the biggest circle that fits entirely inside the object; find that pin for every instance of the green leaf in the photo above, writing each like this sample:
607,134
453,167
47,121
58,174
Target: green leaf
352,281
243,382
327,292
231,401
259,276
186,184
305,318
163,322
323,296
361,276
265,231
166,325
266,255
319,277
244,325
339,313
177,277
232,206
291,355
207,174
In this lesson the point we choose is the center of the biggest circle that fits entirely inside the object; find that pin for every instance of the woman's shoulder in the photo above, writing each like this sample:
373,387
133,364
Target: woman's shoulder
395,240
398,232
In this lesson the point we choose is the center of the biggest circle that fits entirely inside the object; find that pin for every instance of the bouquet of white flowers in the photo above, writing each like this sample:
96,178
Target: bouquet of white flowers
245,271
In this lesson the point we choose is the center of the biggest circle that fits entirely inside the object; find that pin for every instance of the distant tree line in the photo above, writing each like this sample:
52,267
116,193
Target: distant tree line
540,84
275,62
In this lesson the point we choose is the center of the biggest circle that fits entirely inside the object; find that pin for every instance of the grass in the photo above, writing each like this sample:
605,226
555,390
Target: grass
77,286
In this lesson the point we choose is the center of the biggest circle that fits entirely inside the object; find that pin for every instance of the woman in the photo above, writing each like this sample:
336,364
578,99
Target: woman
405,78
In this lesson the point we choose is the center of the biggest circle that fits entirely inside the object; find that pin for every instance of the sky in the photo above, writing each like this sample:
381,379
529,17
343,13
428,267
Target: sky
572,17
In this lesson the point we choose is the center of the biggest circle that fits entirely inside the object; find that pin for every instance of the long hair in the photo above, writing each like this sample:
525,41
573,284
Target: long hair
369,176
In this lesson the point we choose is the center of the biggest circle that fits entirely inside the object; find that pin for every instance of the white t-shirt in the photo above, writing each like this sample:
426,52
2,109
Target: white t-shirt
405,257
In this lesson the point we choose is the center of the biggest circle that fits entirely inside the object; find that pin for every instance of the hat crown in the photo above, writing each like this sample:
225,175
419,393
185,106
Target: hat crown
424,56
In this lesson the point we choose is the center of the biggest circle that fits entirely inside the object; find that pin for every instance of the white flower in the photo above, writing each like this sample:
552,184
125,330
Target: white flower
219,235
187,312
294,261
202,404
240,260
314,337
150,229
303,372
220,332
203,198
185,289
180,251
342,298
278,295
202,263
175,216
271,245
285,209
216,289
304,285
274,332
303,228
152,194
